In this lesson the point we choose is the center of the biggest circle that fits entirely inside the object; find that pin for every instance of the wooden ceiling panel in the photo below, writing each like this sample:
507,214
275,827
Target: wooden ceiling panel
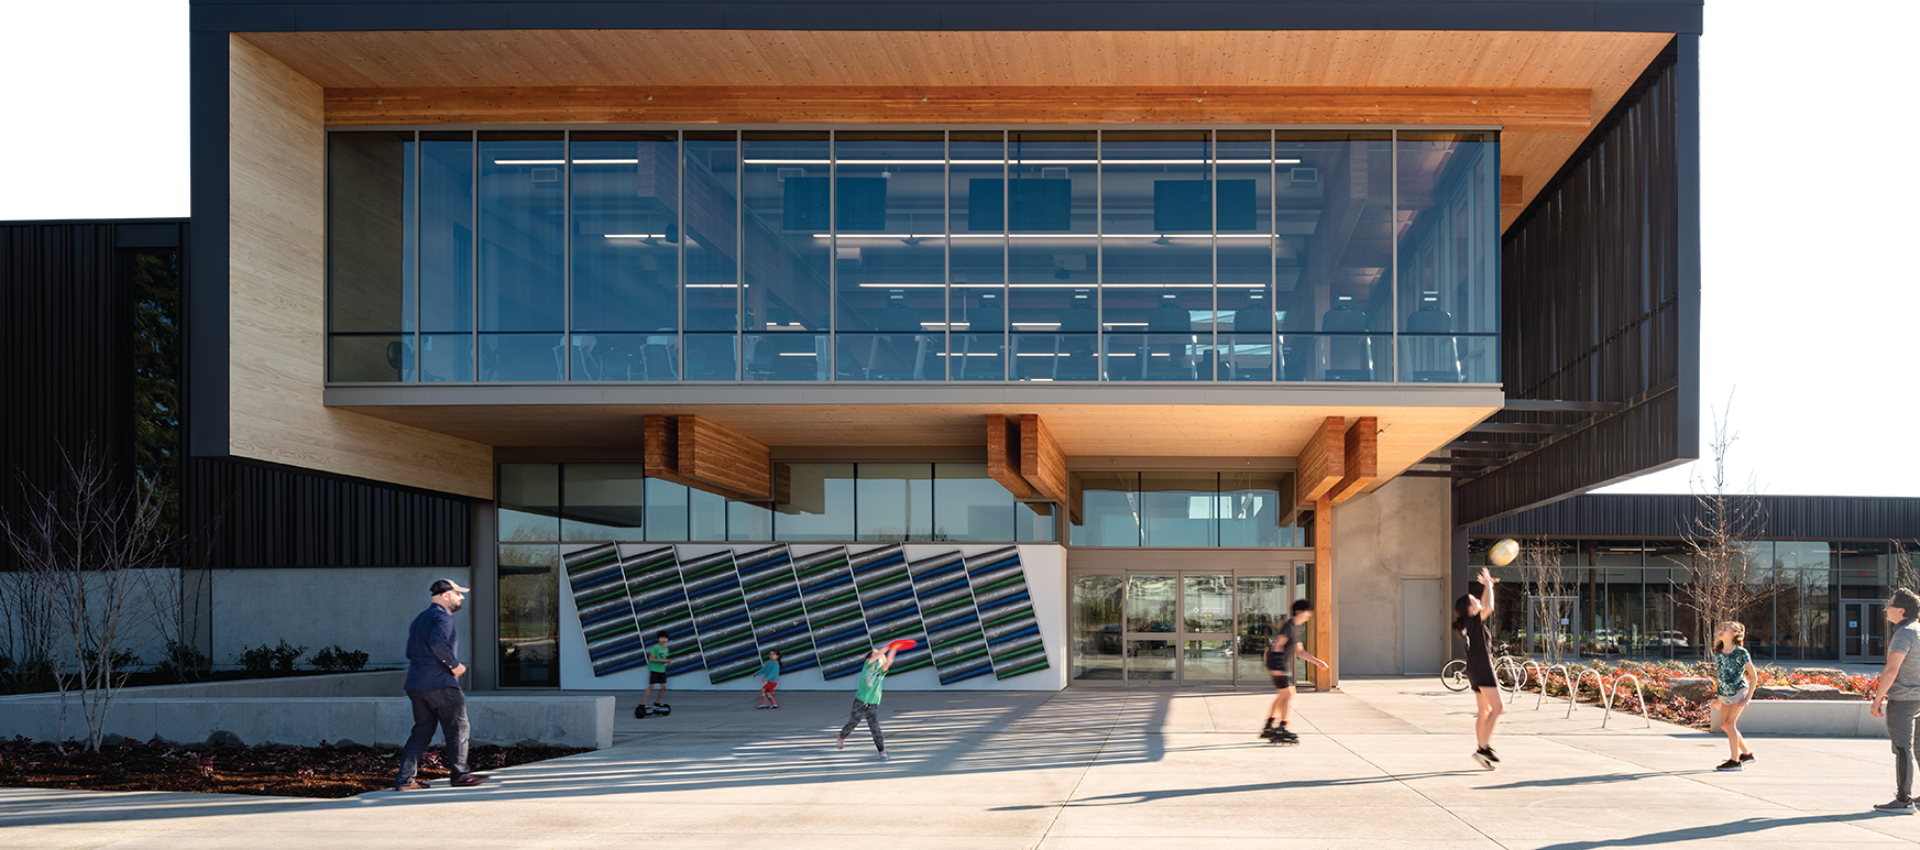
1407,434
1533,83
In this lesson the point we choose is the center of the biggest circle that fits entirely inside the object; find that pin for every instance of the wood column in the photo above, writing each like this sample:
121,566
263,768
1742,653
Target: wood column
1023,456
704,455
1326,607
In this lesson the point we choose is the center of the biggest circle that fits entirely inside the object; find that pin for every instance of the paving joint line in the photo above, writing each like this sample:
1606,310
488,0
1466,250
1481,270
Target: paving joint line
1436,803
1092,760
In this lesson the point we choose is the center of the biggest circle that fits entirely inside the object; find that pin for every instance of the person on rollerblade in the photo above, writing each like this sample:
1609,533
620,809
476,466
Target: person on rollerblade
1280,664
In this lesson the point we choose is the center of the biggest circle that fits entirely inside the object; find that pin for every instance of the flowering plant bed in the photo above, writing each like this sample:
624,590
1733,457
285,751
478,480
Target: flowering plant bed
1656,680
268,770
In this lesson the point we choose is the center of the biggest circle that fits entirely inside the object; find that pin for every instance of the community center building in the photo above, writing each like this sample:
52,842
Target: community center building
1074,340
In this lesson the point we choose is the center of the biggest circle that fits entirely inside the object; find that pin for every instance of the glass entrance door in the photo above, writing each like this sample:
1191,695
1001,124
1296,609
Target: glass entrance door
1177,627
1863,630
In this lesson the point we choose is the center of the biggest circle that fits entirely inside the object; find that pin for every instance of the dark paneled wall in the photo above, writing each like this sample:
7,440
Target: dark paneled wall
1788,518
263,515
1600,286
67,376
65,353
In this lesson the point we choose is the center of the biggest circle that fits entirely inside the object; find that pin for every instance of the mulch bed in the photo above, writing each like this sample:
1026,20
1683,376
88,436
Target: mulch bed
270,770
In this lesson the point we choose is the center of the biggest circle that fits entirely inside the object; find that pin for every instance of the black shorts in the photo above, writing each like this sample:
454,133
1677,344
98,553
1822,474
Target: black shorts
656,677
1281,681
1480,673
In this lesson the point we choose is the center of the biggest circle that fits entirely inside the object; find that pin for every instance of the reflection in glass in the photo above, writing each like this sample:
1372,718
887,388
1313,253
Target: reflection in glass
1052,193
1207,602
522,281
968,506
667,512
1097,640
1177,508
1110,510
712,209
626,256
890,256
529,616
1150,660
1449,298
822,506
896,502
977,260
1252,511
1333,210
602,501
788,245
749,522
1263,604
529,502
1150,603
1244,256
1032,526
370,178
1206,661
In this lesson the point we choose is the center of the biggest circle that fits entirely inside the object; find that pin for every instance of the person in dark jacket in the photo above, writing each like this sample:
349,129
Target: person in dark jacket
433,686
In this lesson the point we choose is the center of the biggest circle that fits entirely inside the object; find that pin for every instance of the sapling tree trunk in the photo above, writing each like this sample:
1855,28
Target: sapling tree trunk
95,558
1725,581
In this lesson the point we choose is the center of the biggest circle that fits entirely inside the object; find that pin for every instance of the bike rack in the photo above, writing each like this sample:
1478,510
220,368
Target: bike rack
1573,689
1646,714
1526,666
1566,672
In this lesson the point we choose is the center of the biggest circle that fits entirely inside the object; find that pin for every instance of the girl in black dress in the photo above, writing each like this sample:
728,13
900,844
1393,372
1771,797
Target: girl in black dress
1470,615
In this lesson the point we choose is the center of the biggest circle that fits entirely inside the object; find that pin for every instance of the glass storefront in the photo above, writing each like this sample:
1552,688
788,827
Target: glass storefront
650,254
1180,627
1630,599
1188,510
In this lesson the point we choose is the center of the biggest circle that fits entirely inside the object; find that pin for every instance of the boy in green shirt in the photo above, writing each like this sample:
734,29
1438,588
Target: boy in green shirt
866,699
656,671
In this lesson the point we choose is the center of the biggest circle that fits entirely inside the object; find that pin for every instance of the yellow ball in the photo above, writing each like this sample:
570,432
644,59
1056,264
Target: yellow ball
1504,552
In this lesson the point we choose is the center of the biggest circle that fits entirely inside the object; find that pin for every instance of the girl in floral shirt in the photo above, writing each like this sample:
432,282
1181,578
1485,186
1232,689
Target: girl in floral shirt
1734,673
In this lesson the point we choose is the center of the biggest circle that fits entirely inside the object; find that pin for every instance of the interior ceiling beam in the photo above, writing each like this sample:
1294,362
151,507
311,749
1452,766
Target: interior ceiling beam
1546,110
1563,406
1524,428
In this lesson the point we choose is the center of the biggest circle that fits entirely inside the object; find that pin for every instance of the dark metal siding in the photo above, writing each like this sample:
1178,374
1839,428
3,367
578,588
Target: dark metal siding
264,515
66,377
65,354
1674,16
1599,277
1788,518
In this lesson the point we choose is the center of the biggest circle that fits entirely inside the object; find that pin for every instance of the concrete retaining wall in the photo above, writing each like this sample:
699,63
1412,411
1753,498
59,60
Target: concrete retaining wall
563,721
379,683
1809,719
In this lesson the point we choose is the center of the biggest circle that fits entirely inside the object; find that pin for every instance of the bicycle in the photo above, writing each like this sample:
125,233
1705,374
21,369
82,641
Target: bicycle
1509,672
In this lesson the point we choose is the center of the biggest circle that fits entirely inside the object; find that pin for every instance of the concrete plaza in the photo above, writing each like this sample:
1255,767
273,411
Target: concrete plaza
1385,765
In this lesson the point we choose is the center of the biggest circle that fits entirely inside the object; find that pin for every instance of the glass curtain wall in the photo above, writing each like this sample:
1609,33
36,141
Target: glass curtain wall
1632,595
829,502
653,255
1187,509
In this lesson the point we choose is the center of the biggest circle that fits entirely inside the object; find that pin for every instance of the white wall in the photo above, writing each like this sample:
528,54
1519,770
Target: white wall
1402,530
1046,571
363,608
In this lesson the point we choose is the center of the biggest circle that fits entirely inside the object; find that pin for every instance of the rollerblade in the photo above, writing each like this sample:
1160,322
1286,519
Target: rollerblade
1280,735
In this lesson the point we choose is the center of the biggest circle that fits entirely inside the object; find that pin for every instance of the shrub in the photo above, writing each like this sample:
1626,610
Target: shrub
182,662
336,659
270,659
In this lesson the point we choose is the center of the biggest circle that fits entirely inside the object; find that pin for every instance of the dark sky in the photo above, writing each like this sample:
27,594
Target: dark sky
1823,365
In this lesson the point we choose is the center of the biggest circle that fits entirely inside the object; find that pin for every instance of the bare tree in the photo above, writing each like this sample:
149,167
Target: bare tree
94,559
1548,585
1725,580
1906,573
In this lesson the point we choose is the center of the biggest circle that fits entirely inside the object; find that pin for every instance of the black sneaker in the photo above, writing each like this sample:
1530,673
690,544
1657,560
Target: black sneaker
1904,807
1746,757
1729,766
1493,755
1484,758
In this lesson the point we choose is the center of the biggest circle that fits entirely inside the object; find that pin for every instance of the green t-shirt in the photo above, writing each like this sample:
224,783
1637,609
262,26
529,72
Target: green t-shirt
657,658
871,678
1730,670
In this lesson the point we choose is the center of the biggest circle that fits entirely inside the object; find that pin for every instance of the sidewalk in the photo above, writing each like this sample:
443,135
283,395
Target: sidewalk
1385,765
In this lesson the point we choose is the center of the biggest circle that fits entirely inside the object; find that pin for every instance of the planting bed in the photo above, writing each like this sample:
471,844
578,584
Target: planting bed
285,771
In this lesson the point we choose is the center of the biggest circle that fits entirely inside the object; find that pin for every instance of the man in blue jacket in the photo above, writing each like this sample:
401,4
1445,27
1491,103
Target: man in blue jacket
433,685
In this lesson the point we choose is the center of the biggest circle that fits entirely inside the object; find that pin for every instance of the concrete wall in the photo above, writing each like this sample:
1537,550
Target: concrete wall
581,721
1808,719
383,683
363,608
151,611
1402,530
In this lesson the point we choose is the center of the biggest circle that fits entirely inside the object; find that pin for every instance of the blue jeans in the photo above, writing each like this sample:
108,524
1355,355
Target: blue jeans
443,708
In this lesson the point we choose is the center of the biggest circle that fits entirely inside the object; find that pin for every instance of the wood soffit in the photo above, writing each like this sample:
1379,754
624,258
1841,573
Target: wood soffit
1405,435
1546,89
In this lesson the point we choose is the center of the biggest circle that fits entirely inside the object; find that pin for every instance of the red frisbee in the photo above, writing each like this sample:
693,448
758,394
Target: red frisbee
903,645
